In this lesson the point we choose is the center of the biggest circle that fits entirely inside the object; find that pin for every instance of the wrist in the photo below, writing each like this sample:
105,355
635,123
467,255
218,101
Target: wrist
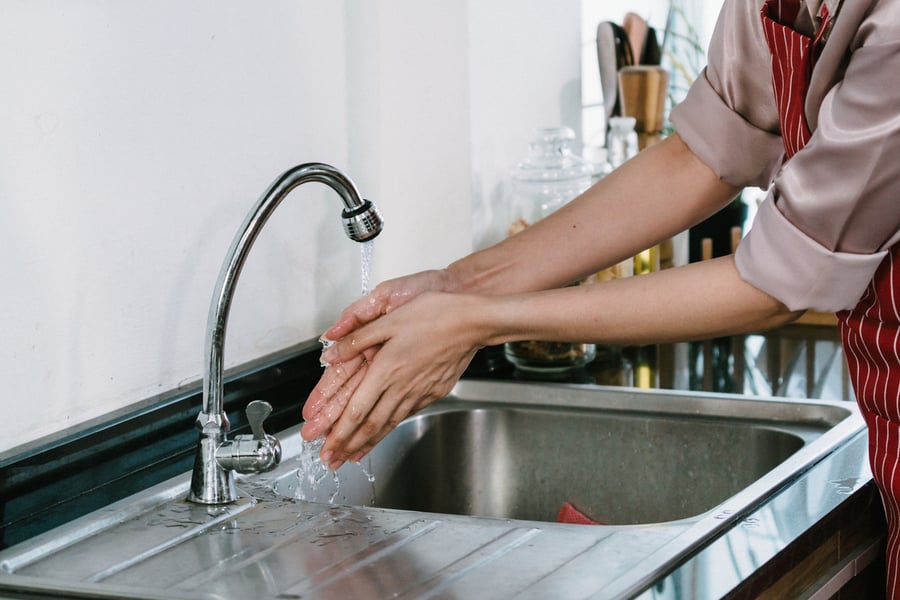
483,272
451,280
458,277
496,318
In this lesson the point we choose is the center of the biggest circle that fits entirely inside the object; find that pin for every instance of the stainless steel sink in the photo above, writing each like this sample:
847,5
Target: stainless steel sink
520,451
464,499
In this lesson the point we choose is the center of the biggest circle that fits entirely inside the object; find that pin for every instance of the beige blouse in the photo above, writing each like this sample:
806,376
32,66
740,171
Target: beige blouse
833,210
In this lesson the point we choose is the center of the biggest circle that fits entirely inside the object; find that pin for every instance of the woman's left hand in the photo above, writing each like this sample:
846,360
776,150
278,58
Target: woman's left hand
423,348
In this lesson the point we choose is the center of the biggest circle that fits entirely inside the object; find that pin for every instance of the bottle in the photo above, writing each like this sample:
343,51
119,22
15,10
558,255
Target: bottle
548,178
621,141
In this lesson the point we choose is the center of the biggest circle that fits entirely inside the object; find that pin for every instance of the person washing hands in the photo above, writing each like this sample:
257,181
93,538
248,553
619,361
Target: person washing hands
800,97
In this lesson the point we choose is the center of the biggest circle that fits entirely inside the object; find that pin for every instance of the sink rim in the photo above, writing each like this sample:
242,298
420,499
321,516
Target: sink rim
638,400
840,421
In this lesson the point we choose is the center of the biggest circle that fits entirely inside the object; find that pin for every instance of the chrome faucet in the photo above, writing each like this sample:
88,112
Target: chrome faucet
218,458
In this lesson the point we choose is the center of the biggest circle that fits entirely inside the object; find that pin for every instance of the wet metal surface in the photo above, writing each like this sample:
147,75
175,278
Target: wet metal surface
270,545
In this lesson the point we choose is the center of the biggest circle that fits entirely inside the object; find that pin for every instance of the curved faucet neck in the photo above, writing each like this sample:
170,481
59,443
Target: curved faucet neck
213,417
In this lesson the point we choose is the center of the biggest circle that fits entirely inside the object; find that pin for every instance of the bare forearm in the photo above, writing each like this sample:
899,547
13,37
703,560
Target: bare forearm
697,301
662,191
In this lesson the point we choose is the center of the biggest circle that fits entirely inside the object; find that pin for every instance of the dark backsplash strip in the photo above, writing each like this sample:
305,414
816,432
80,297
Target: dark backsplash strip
81,472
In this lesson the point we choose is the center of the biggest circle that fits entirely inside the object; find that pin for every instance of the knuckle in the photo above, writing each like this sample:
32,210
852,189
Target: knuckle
370,429
353,416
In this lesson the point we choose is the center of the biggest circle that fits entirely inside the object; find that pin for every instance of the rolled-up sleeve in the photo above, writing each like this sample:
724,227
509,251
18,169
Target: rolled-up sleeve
832,210
781,260
738,151
729,119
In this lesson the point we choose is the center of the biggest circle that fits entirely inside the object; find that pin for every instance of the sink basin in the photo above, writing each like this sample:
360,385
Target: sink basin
520,451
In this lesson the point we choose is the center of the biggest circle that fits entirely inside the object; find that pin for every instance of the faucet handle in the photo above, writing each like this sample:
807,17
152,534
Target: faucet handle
255,453
257,412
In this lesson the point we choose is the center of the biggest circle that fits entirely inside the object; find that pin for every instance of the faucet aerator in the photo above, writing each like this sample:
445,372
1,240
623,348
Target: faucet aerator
362,224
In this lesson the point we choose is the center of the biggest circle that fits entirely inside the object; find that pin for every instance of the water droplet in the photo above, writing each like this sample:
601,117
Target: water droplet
337,486
369,476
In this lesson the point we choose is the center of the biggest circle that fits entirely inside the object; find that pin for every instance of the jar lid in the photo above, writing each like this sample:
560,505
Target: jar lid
550,158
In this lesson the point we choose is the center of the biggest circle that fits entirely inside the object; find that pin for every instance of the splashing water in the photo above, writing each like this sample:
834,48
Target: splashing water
326,343
311,472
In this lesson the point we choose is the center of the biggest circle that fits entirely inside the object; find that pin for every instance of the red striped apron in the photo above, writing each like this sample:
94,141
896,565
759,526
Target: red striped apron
870,332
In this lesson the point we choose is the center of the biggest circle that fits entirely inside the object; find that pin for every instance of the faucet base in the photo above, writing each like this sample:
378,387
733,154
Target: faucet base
209,483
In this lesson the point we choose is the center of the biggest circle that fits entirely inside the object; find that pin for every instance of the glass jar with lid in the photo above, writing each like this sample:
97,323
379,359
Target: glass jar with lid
549,177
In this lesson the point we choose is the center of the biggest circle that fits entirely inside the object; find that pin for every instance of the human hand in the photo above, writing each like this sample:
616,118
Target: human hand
387,296
331,394
423,347
339,381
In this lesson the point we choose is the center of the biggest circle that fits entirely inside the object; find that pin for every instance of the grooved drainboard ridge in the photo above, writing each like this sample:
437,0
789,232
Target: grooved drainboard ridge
296,549
484,553
343,548
192,530
285,558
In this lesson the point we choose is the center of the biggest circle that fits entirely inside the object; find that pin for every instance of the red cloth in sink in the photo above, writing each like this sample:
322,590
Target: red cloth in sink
572,516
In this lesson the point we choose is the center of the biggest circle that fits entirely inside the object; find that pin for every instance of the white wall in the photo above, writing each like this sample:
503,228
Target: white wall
443,99
409,127
135,135
524,74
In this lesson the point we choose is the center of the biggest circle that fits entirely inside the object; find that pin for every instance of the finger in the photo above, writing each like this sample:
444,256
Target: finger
331,381
401,413
373,419
362,311
354,415
324,419
362,341
392,406
376,426
370,445
354,317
